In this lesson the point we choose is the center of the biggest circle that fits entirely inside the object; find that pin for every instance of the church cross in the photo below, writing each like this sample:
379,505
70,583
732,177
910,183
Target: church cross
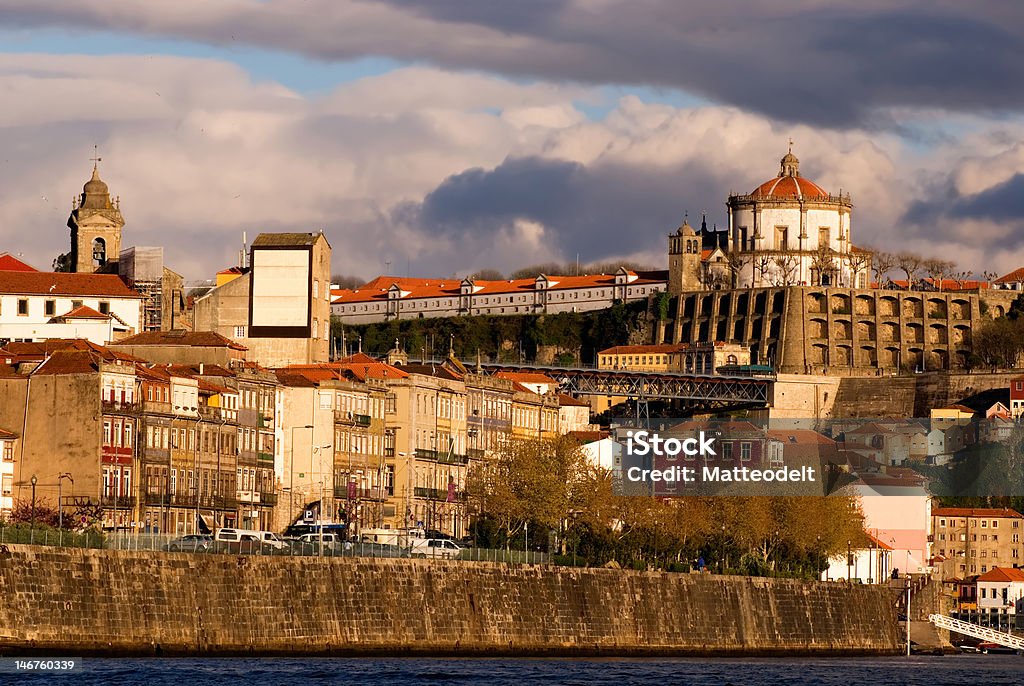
95,159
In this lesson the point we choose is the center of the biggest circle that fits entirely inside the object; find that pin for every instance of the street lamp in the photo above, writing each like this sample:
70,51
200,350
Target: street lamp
60,499
34,481
849,561
908,614
291,470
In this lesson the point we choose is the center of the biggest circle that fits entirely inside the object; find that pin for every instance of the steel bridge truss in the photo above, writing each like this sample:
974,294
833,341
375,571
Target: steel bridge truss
699,390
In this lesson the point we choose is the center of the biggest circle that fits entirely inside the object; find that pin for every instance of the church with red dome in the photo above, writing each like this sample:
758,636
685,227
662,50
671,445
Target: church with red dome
788,231
791,231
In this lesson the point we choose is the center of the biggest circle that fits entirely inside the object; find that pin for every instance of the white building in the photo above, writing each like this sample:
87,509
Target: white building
392,297
791,231
36,306
867,561
1000,590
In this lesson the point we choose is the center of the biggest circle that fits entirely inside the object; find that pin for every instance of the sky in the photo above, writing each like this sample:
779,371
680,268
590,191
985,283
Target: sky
440,137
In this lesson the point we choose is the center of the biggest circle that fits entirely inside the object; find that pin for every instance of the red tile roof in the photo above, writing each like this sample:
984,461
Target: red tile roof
7,435
59,283
976,512
569,401
10,263
589,436
192,339
1016,276
947,284
377,289
787,187
69,362
800,436
37,351
84,312
1003,575
527,377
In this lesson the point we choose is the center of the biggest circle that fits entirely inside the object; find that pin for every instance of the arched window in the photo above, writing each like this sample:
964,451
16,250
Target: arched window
99,252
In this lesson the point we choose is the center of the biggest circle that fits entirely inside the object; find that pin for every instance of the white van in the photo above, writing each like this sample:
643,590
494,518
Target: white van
435,547
251,535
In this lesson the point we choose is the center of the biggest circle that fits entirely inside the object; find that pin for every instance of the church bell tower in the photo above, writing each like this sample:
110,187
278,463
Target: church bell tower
95,224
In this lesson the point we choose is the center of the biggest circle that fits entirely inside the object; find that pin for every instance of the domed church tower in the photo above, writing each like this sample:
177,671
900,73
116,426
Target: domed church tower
95,224
790,231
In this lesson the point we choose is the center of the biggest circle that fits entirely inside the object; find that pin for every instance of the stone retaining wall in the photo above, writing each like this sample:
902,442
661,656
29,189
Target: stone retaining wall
92,601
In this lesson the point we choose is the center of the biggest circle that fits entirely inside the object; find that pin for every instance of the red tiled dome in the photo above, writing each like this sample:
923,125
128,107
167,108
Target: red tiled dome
789,188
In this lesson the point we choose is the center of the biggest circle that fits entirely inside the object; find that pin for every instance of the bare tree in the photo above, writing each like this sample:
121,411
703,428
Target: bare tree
881,263
909,264
859,261
824,262
761,263
784,269
487,275
937,270
736,262
713,279
347,281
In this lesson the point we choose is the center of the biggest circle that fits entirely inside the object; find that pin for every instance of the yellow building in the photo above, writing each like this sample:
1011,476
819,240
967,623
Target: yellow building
951,415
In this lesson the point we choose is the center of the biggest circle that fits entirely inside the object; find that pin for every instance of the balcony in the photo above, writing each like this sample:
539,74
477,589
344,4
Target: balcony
440,457
438,494
207,413
161,499
119,407
341,492
121,502
475,454
363,419
265,457
352,419
247,498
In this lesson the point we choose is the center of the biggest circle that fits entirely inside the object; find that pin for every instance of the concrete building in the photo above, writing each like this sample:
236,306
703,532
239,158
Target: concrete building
162,289
387,298
36,306
184,347
976,540
280,308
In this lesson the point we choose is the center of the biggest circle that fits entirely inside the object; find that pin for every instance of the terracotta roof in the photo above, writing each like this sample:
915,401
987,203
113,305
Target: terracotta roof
60,283
359,370
976,512
1003,574
37,351
589,436
958,408
947,284
437,370
207,387
801,437
83,312
194,370
1016,276
377,289
663,348
569,401
527,377
232,270
10,263
7,435
69,362
192,339
790,187
879,543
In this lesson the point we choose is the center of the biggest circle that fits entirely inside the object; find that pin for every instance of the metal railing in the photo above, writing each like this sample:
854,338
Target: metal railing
191,544
977,631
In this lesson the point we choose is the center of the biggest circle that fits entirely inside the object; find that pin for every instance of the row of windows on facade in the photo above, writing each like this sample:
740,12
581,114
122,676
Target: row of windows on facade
698,361
349,442
165,480
50,307
164,438
1015,538
728,452
974,523
1014,553
782,238
451,303
974,568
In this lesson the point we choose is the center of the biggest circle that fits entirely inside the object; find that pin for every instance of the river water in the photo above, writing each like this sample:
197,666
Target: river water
954,670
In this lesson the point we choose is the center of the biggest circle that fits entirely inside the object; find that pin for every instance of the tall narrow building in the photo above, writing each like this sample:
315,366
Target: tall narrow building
95,224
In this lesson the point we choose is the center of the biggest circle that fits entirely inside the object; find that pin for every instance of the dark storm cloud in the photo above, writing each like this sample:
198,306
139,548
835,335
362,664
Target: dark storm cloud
838,63
601,211
943,213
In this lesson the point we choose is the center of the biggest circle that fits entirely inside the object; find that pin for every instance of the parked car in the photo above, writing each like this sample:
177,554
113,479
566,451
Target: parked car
435,547
192,543
267,538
